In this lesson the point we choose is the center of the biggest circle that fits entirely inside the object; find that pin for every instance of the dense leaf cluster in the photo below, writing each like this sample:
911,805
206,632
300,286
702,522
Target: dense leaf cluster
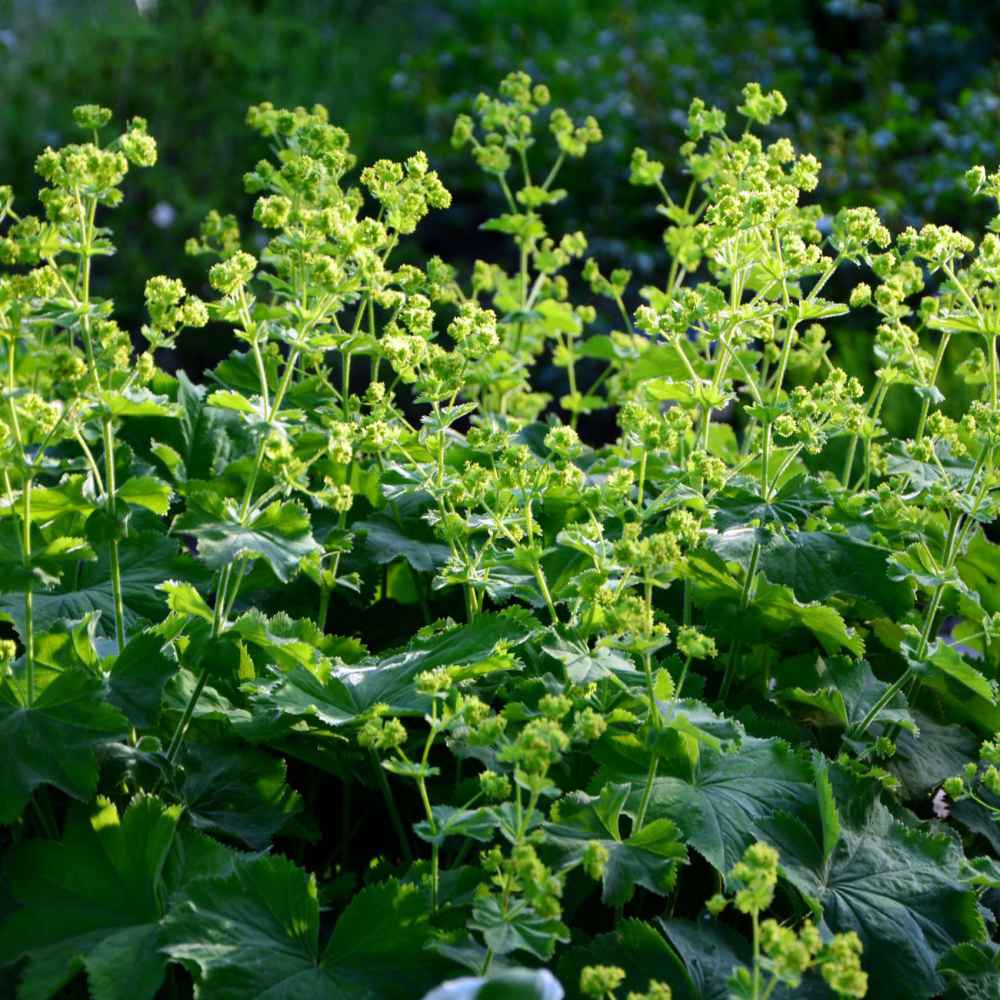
358,672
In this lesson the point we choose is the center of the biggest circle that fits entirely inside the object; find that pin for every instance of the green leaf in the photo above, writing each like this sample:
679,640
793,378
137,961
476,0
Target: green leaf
819,564
972,971
49,559
774,611
138,403
48,502
476,824
382,541
948,661
227,399
92,901
720,809
145,558
796,499
147,491
648,858
829,820
518,928
850,691
286,641
711,951
925,757
897,886
511,984
70,645
337,695
185,599
52,741
638,948
256,934
236,791
585,665
281,533
140,673
205,444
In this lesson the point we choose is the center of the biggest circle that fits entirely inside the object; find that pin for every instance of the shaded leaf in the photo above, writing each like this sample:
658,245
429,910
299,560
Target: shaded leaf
52,741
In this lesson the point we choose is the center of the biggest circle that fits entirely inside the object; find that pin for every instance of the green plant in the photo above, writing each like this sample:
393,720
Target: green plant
369,605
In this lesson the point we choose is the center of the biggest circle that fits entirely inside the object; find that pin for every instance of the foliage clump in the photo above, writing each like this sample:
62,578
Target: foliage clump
662,713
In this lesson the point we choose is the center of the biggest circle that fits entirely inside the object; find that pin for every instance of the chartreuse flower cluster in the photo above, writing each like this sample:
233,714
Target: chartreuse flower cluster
521,617
782,955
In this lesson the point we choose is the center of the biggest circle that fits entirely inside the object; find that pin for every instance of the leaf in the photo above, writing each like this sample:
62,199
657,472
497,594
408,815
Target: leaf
898,887
947,660
139,674
281,533
648,858
720,809
476,824
585,665
829,820
236,791
382,541
711,951
92,901
52,741
337,695
638,948
206,445
511,984
145,558
518,928
256,934
925,757
70,645
48,502
972,971
147,491
286,641
796,499
819,564
850,692
137,403
185,599
774,610
227,399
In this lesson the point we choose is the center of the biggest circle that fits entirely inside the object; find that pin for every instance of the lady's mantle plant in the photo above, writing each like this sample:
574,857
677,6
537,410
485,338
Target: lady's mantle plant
362,666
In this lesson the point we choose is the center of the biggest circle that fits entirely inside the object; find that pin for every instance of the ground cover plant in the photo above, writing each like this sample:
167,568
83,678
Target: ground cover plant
355,670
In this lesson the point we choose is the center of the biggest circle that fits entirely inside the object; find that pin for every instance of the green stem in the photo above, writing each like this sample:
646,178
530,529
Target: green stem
745,595
926,405
642,480
324,607
25,540
756,954
544,588
390,804
185,720
29,599
647,793
682,679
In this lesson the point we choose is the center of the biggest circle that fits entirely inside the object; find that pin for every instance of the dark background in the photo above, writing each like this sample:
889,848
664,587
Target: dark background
896,98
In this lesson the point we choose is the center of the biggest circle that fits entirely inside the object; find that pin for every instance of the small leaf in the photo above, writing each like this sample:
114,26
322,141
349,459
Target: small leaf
147,491
648,858
281,533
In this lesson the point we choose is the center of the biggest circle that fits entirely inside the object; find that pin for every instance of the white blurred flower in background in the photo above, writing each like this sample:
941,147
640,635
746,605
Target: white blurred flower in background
163,214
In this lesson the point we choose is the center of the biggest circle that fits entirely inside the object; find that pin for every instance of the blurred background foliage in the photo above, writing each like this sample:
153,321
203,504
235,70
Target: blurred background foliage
897,97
